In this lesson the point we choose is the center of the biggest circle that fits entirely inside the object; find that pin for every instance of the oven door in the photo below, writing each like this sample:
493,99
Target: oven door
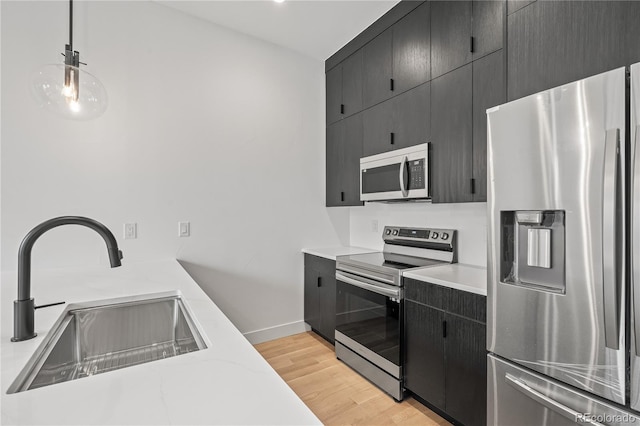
368,320
397,175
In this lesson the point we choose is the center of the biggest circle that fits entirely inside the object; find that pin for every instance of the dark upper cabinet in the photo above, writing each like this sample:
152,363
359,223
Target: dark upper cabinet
344,149
450,35
344,88
487,29
551,43
489,90
320,295
424,352
378,63
334,94
352,84
451,130
412,49
465,370
398,122
445,356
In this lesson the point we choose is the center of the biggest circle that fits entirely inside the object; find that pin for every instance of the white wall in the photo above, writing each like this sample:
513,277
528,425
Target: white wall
204,125
470,219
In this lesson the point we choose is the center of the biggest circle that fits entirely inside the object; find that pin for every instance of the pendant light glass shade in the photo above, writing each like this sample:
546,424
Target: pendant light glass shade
68,91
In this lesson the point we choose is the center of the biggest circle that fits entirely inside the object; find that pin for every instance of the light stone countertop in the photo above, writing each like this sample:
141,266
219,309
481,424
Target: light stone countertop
456,275
331,252
227,383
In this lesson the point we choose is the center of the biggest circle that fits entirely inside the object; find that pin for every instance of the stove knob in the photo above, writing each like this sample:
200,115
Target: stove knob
434,235
445,236
388,232
395,232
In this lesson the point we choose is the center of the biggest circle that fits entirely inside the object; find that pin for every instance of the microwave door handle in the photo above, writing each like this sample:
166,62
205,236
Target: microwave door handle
403,174
635,236
610,223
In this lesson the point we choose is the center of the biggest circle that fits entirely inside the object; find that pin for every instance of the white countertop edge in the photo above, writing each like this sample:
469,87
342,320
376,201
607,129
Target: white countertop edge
469,278
332,252
210,386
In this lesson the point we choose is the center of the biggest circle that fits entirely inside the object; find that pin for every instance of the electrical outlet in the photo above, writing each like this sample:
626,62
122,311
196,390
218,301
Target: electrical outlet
184,229
130,231
374,225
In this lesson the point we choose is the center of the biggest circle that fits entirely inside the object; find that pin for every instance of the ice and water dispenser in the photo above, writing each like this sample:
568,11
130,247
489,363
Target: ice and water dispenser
533,249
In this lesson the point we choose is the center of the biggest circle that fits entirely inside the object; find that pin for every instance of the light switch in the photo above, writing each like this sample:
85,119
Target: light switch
184,229
539,247
130,231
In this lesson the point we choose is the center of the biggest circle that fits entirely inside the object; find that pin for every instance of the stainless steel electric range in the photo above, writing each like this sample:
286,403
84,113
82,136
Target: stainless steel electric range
369,301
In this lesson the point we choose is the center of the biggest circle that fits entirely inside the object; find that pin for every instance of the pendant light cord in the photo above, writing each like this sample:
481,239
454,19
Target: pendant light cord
71,25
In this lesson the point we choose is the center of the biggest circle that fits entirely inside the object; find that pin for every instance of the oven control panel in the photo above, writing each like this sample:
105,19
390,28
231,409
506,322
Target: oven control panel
443,239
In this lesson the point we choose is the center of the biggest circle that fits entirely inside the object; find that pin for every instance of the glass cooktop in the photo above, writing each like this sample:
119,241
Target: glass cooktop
382,261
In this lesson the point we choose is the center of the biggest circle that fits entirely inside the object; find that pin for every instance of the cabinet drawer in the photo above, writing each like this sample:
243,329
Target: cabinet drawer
319,264
469,305
428,294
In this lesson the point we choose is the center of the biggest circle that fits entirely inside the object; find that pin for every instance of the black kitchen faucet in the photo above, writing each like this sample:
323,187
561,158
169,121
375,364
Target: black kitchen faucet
24,308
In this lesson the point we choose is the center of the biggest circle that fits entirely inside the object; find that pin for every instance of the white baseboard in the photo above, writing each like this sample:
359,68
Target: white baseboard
276,332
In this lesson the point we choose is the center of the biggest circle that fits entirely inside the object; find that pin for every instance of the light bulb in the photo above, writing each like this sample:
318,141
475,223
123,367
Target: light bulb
74,106
279,1
67,91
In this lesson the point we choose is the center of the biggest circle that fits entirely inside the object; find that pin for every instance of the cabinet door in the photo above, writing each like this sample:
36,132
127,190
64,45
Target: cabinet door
450,35
466,371
334,94
377,69
327,303
412,49
551,43
489,90
424,370
377,128
411,119
344,149
311,296
352,84
487,26
451,130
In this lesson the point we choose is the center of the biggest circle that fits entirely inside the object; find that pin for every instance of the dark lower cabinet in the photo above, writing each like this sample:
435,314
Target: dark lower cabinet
424,353
445,356
320,295
344,149
466,370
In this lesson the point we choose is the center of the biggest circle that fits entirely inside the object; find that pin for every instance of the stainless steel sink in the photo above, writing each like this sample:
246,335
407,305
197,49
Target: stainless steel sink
98,337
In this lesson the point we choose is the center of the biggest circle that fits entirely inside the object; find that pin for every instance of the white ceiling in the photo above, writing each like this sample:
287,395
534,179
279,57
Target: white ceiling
317,28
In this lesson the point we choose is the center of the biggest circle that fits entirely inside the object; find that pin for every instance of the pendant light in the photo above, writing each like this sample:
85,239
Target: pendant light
67,90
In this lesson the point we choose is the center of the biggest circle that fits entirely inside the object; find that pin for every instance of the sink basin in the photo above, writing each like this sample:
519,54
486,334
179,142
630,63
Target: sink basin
98,337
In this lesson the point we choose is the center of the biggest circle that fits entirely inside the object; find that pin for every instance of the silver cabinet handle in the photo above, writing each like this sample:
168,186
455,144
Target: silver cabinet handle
403,166
610,225
374,288
635,237
548,402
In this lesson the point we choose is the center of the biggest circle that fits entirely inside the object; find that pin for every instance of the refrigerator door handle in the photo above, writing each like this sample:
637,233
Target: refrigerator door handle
610,225
548,402
635,237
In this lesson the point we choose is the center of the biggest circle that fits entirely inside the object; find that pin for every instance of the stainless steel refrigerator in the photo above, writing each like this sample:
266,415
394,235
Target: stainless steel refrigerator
563,323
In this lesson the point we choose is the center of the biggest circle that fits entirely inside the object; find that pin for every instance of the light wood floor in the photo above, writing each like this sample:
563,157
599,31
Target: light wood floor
336,394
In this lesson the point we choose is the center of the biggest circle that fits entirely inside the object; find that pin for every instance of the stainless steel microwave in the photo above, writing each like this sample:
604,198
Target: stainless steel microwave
399,175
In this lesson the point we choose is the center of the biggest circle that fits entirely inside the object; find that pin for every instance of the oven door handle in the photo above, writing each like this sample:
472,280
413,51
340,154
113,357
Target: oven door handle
371,287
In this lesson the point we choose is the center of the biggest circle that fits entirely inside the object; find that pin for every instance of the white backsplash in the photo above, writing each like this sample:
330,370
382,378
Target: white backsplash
469,219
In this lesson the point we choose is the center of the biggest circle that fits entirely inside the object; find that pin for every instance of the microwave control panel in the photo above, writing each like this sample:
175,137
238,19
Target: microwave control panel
416,174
